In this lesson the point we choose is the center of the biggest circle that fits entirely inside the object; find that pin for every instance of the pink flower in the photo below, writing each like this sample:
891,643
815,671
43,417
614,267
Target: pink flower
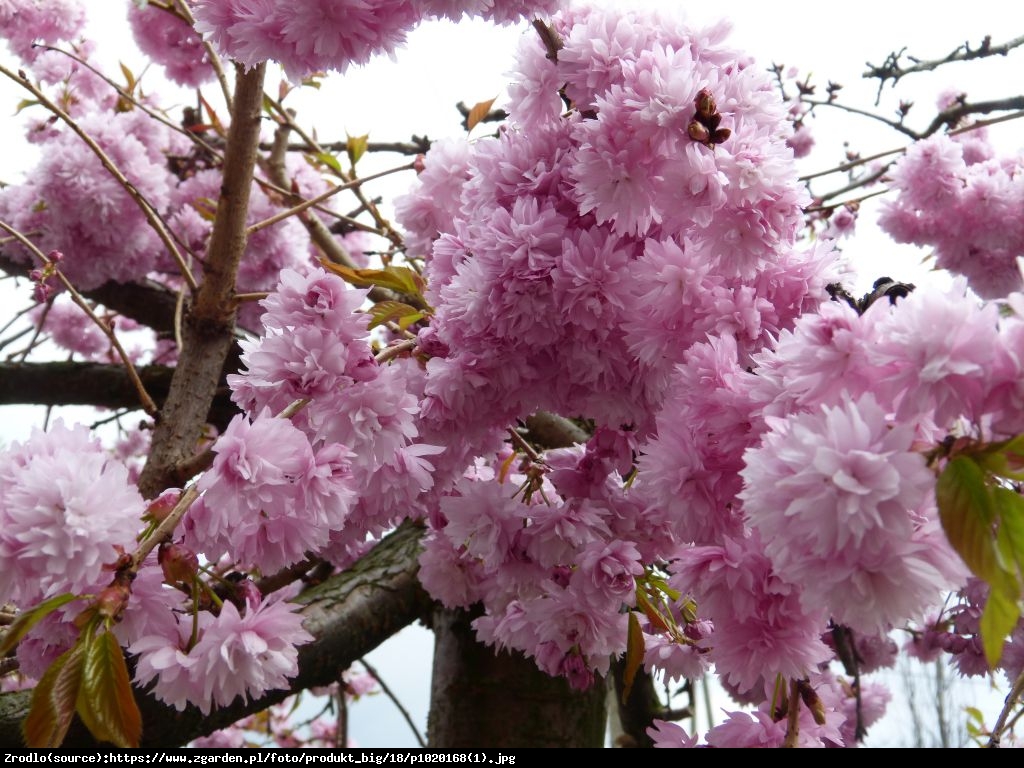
666,735
268,499
236,655
66,509
170,41
837,496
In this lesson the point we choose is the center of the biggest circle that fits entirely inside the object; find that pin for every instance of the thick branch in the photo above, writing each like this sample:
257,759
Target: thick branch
350,614
97,384
208,328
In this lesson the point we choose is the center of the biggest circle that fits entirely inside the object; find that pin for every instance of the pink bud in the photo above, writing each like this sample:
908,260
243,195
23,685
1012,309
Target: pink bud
112,600
162,505
178,562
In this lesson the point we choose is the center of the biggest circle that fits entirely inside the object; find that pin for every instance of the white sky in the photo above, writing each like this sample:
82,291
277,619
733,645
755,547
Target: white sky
444,64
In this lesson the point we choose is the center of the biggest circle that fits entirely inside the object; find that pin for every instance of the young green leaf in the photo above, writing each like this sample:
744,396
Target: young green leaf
106,703
356,147
634,655
400,279
22,625
54,700
1010,510
393,311
329,160
997,620
967,512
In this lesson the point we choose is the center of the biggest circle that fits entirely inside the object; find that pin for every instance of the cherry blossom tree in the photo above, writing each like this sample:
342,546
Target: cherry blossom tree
597,402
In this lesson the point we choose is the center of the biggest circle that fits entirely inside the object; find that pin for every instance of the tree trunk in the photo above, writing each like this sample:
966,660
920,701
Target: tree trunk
482,699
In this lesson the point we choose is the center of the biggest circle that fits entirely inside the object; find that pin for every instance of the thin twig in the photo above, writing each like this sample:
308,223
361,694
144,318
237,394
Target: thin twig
387,692
394,350
893,70
151,214
147,402
895,125
166,526
1008,705
843,167
307,204
383,224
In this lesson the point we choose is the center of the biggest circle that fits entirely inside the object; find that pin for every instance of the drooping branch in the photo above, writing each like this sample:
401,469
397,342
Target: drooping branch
349,614
208,329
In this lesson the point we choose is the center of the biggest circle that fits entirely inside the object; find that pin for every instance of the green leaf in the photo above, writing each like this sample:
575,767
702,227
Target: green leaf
329,160
967,512
1010,537
400,279
25,621
53,701
634,656
997,621
650,611
356,147
1005,459
393,311
478,113
106,703
25,104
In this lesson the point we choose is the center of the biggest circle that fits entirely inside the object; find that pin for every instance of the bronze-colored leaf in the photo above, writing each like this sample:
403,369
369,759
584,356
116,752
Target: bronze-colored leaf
106,702
54,700
634,656
478,113
22,625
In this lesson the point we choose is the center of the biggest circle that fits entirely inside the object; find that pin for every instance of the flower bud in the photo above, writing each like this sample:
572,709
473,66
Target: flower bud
705,103
698,132
179,563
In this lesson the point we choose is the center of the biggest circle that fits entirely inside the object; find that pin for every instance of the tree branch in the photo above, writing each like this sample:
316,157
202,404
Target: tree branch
208,330
350,614
96,384
892,69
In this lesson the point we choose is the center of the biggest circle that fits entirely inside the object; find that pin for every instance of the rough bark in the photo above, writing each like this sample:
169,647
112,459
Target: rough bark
481,699
350,614
98,384
209,325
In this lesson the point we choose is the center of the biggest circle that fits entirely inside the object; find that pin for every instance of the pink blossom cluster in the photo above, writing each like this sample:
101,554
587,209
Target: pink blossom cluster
66,510
72,204
315,35
552,568
170,41
47,21
576,257
315,347
953,194
237,654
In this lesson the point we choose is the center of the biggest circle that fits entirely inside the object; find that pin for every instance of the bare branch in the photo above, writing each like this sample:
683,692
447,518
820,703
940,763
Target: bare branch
893,69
